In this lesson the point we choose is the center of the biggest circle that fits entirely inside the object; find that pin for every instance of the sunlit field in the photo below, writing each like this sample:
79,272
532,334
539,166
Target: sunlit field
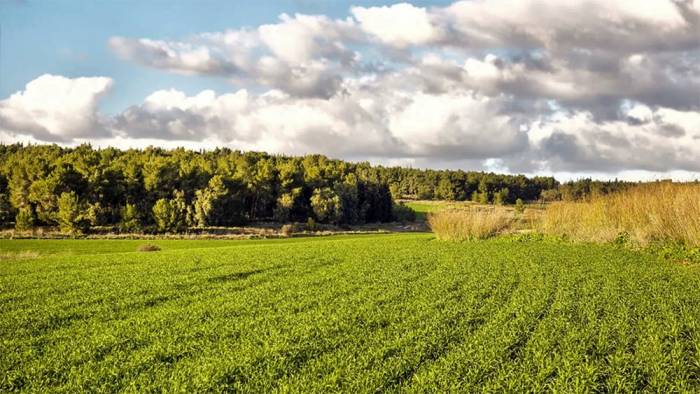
353,313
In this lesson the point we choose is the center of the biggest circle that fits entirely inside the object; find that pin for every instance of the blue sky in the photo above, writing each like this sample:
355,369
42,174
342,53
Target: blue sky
70,38
565,88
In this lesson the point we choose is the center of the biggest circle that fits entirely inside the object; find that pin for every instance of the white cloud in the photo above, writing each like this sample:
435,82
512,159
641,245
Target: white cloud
303,55
303,38
655,140
55,108
454,124
622,25
400,25
373,119
527,85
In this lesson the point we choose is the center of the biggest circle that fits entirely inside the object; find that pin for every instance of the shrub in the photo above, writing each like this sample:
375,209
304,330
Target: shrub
148,248
468,224
287,230
311,224
662,211
519,205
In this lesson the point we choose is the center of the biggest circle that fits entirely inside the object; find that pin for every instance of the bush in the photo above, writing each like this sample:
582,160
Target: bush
148,248
311,224
469,224
662,211
403,213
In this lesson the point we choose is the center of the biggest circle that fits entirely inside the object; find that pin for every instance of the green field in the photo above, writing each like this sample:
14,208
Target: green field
423,208
353,313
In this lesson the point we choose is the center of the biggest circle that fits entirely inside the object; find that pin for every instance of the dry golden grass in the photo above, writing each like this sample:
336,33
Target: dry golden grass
470,223
148,248
661,211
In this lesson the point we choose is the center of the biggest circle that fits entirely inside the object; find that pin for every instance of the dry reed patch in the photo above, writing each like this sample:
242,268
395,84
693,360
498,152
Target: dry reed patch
468,224
148,248
661,211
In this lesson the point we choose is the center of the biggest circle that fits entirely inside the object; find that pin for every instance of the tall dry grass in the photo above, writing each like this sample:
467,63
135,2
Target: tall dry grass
661,211
469,224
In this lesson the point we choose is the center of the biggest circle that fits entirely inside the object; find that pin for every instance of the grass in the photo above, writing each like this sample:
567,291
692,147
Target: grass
19,255
470,223
660,212
350,313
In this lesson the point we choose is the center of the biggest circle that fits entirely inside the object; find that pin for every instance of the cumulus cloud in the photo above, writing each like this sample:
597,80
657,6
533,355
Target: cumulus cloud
619,26
648,139
527,85
359,124
400,25
56,108
590,55
304,55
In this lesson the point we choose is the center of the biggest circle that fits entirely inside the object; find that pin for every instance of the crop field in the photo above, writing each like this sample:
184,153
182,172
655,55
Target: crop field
401,312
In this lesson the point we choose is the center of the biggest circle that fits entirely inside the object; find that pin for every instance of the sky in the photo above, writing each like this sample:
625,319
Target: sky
540,87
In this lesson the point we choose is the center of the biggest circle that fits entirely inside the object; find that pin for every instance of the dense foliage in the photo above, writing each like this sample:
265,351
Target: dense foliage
457,185
171,190
395,313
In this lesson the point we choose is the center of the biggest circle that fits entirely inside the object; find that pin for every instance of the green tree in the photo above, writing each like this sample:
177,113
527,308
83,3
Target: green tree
130,220
164,215
326,205
96,214
501,196
550,195
445,190
217,204
42,196
519,205
424,192
170,215
208,203
24,220
285,205
349,193
19,188
68,216
5,209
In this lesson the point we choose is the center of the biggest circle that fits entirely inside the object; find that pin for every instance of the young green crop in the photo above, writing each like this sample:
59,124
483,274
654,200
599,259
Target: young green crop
355,314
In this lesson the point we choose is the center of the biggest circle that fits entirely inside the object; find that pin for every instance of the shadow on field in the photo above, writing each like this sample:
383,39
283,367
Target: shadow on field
240,275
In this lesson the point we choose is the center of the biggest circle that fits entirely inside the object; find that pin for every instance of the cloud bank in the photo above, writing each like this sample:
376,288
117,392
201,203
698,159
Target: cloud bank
521,86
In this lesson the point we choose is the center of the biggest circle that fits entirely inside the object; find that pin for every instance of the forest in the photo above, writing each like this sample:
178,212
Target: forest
158,190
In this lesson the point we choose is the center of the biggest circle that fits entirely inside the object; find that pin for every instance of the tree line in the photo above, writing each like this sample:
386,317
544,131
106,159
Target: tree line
154,189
